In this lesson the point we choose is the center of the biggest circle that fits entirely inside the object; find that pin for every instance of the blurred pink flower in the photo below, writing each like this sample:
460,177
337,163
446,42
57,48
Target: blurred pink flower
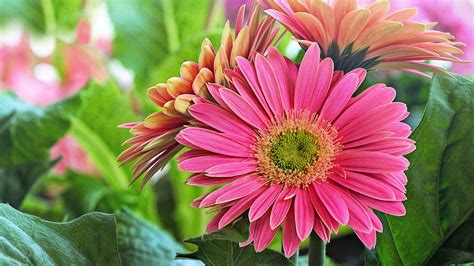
78,63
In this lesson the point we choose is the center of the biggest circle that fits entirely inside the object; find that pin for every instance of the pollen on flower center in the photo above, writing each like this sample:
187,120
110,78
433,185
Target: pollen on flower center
293,150
296,149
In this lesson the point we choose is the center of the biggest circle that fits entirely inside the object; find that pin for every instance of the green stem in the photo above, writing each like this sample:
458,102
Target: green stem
170,25
317,250
49,18
295,256
100,153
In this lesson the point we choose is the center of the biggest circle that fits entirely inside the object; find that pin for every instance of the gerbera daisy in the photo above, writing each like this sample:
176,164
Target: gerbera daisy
293,149
153,143
369,38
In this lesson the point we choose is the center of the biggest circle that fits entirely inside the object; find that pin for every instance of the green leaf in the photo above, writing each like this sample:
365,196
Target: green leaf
95,127
82,193
16,181
222,248
440,188
159,35
27,132
26,135
153,29
39,15
143,244
29,240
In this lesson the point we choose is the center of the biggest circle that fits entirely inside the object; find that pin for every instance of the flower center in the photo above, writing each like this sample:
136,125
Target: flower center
293,150
296,149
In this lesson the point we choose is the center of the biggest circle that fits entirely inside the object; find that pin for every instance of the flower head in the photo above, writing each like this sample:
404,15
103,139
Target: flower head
153,142
292,148
369,38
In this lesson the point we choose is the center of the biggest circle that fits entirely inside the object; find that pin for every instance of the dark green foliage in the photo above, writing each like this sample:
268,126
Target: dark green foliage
440,188
28,240
26,135
222,248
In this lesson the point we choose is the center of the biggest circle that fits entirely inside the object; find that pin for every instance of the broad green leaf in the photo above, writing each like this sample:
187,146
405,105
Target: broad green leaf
26,135
29,240
440,188
143,244
222,248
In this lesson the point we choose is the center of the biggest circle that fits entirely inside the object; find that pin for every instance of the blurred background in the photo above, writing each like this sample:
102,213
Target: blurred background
110,52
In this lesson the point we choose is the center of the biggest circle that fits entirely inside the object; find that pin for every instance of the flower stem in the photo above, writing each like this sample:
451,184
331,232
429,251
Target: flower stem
295,256
317,250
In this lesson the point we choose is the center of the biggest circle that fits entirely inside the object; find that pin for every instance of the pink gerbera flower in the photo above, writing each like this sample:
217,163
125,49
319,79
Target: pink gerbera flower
296,150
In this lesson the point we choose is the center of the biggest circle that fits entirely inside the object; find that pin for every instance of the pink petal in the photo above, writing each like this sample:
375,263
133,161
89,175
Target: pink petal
241,108
368,139
240,190
204,181
321,210
307,78
291,241
332,198
371,162
339,97
220,119
320,228
239,207
358,218
212,226
269,84
378,119
248,95
250,75
280,208
264,202
395,208
202,163
371,98
376,223
243,182
326,68
232,169
395,146
262,233
214,142
214,91
282,74
369,239
365,185
304,214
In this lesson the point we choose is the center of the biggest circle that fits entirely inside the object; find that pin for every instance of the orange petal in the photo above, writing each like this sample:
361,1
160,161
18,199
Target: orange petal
199,84
402,14
189,70
177,86
351,25
241,46
314,27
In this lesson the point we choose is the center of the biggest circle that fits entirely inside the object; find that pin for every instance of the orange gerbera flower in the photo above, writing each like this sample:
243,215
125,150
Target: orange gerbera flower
370,37
153,143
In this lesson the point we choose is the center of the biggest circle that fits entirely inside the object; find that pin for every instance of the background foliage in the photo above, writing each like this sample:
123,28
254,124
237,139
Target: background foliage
86,214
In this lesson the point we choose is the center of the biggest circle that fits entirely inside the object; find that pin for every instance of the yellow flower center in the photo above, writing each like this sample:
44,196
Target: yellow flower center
296,149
